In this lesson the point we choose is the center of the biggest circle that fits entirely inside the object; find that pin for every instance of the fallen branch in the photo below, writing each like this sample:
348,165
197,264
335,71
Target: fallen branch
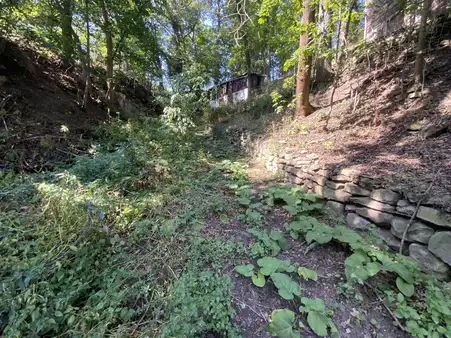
398,323
426,193
37,137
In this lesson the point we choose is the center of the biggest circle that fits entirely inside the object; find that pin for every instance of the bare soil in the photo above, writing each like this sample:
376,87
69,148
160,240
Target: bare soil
38,97
41,121
374,138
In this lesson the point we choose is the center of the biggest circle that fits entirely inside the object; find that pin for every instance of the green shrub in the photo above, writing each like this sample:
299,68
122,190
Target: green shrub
199,303
219,114
261,105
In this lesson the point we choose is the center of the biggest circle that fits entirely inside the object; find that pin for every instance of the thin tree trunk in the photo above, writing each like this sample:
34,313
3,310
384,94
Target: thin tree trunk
66,29
247,53
268,73
217,73
419,61
83,66
345,29
109,57
303,72
323,66
88,59
337,74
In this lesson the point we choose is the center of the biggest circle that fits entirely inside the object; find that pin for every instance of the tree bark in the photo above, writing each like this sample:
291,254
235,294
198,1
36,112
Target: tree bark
421,46
323,65
83,65
88,59
247,55
66,29
304,64
345,30
109,57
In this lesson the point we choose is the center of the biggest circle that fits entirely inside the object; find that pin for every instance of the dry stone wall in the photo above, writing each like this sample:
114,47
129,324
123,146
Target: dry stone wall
362,201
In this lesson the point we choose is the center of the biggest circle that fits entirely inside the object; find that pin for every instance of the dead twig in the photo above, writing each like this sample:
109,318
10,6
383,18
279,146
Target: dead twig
67,152
250,308
38,137
426,193
398,323
4,123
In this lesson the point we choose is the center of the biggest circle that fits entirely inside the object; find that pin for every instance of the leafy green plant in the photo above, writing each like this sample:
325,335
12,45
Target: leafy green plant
266,243
245,270
296,200
407,289
286,286
281,324
307,274
200,302
359,267
248,271
424,317
237,171
318,318
258,279
270,265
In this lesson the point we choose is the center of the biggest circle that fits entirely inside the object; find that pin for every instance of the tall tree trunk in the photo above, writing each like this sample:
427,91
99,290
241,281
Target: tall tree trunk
66,29
269,65
84,67
304,64
109,56
247,54
88,58
323,65
345,29
421,46
217,71
344,32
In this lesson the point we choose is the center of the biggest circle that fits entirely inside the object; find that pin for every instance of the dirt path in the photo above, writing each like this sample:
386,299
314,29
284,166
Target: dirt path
353,318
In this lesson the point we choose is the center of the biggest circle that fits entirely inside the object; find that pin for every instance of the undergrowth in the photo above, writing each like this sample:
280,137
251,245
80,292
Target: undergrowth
420,302
112,245
106,246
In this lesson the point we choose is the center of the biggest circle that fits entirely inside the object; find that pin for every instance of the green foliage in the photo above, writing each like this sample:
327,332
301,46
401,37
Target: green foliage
71,294
279,238
217,114
426,316
258,279
245,270
88,257
359,267
317,317
281,324
307,274
248,271
238,172
270,265
286,287
267,243
407,289
178,116
278,101
199,302
296,200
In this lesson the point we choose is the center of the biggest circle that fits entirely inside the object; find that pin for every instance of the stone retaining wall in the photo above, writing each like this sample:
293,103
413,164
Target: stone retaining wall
362,201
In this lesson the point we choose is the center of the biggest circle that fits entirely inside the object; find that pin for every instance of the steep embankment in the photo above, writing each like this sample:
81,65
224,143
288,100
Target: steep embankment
42,121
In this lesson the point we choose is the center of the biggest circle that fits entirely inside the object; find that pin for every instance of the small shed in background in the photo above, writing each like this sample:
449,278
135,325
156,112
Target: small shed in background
235,90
